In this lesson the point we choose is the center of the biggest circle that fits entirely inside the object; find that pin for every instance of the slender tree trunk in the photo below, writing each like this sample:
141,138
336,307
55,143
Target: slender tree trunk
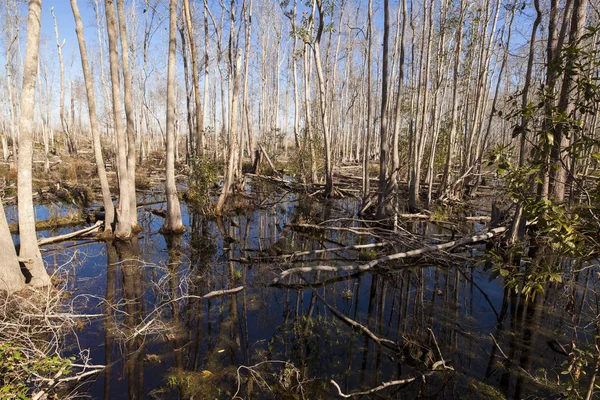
93,115
248,25
234,71
29,246
123,228
63,117
323,102
394,176
454,113
369,124
128,103
382,198
566,104
195,79
173,223
188,101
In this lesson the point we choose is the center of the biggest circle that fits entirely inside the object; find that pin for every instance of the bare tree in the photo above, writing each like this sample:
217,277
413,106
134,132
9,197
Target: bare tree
128,103
173,223
63,118
29,247
109,218
123,228
195,79
382,198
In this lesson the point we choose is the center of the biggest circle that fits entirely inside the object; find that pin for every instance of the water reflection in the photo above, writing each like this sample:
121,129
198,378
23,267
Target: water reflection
160,339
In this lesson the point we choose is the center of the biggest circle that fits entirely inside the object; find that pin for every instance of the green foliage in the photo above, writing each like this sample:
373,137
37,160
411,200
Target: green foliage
202,177
18,367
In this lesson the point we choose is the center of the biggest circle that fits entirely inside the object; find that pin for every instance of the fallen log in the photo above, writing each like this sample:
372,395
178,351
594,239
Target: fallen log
406,254
60,238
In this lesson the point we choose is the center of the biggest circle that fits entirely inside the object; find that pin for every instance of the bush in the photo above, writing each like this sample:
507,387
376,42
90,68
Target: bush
202,177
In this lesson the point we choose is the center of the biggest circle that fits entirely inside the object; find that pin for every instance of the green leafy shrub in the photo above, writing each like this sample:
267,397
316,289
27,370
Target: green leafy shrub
202,177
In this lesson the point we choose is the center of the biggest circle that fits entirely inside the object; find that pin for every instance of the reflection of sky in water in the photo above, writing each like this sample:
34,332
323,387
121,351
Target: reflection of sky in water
269,322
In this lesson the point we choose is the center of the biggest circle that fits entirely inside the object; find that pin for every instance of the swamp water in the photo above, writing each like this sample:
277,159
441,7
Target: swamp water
160,340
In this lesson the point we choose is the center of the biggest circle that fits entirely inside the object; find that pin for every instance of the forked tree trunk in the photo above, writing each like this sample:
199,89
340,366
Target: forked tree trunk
11,278
95,128
29,246
123,229
173,223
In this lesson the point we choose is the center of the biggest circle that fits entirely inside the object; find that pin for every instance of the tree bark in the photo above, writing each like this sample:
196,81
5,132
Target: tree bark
29,247
128,103
63,117
173,223
123,228
323,102
93,115
566,104
382,198
11,278
195,79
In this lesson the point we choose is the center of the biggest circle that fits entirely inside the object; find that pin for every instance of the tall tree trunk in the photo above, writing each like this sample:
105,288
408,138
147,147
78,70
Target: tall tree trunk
29,246
195,79
382,198
123,228
234,73
173,223
323,105
63,117
454,113
248,38
368,125
128,103
93,115
188,101
566,103
394,176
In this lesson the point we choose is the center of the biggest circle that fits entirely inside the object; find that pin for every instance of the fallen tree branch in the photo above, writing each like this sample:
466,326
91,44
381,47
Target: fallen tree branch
412,253
380,341
216,293
60,238
376,389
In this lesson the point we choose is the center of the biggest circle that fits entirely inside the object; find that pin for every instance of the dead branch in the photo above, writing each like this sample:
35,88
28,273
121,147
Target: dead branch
356,325
216,293
376,389
60,238
412,253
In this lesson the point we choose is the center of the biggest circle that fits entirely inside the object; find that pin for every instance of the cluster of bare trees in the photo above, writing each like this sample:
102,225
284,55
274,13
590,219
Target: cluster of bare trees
124,216
419,87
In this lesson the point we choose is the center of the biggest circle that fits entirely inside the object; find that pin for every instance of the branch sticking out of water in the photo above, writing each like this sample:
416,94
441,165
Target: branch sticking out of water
412,253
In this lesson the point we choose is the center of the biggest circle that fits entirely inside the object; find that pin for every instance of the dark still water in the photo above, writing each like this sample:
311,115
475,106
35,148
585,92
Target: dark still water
159,339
